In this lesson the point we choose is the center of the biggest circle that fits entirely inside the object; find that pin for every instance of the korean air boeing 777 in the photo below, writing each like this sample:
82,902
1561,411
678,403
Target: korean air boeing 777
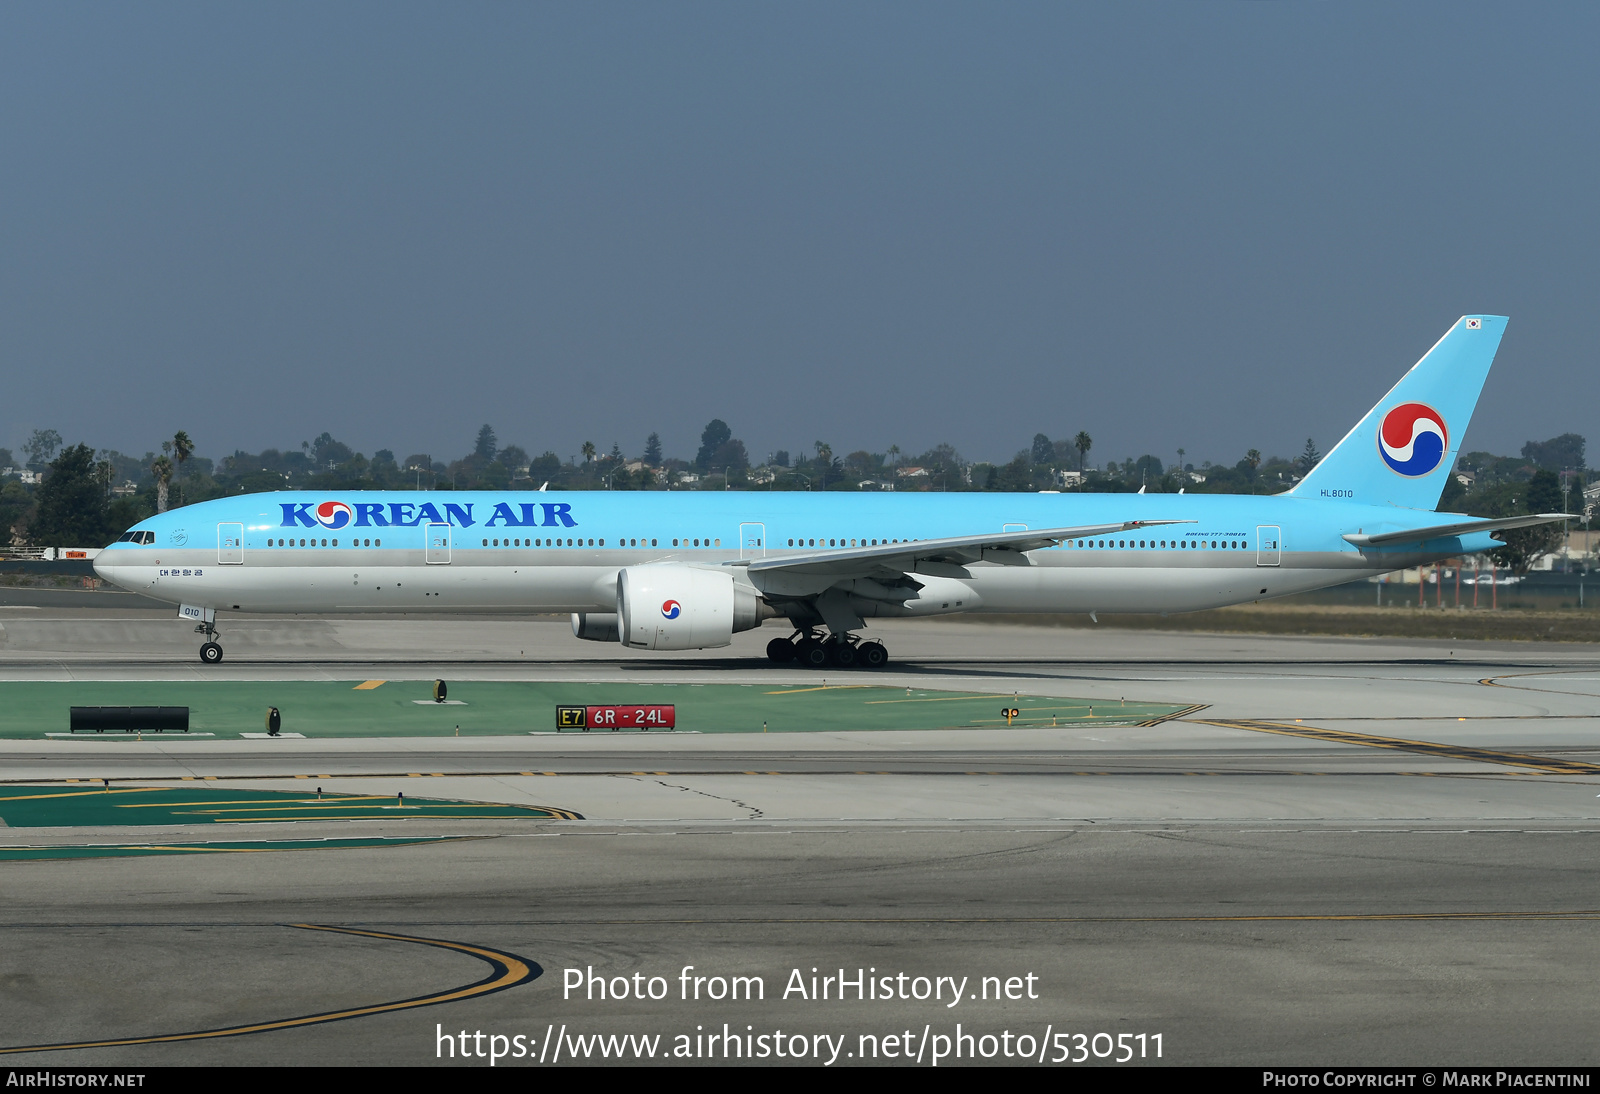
681,571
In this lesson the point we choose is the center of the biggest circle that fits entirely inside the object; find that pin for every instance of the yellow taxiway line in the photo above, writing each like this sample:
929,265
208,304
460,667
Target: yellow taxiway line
507,971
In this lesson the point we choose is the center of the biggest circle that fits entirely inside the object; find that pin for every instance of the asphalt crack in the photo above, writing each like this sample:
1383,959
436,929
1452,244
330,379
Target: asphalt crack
755,813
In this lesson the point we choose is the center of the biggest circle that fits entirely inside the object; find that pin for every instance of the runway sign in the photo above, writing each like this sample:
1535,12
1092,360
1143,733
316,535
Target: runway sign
647,717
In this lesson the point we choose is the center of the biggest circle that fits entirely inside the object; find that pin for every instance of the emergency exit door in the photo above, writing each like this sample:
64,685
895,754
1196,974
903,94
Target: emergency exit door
437,552
230,544
752,541
1267,544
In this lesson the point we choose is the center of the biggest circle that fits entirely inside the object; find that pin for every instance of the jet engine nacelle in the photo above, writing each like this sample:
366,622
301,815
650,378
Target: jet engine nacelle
675,606
596,626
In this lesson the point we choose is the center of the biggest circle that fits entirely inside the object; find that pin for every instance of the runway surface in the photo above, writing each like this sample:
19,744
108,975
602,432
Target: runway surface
1352,851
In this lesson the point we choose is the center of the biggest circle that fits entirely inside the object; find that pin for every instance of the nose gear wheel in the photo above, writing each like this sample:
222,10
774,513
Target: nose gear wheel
210,652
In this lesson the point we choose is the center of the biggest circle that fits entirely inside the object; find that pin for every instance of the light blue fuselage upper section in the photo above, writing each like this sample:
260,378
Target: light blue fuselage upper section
530,551
1309,525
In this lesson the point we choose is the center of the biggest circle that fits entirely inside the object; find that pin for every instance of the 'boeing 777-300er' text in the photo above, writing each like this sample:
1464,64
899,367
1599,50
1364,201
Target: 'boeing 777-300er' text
678,571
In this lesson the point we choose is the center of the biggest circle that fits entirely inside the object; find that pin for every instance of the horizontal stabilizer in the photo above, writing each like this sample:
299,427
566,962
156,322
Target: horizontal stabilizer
1440,531
957,550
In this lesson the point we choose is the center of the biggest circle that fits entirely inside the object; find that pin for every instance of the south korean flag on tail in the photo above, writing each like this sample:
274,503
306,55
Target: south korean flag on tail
1474,324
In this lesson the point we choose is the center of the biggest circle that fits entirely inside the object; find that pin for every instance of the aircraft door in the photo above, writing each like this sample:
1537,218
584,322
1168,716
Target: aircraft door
230,544
752,541
1268,549
437,552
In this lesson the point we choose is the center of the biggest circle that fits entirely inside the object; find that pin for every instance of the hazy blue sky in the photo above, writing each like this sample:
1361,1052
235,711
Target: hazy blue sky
1208,225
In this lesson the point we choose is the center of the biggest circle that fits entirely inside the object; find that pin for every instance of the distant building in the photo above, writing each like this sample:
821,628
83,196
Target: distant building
1069,478
912,472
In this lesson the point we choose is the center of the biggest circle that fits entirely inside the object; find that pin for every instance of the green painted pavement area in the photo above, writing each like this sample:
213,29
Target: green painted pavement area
354,708
85,804
33,854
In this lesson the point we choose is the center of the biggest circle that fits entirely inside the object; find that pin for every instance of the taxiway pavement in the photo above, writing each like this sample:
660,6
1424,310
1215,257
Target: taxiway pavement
1357,851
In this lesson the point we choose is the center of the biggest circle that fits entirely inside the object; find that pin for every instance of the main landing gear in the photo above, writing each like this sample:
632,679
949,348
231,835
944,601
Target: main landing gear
845,651
210,653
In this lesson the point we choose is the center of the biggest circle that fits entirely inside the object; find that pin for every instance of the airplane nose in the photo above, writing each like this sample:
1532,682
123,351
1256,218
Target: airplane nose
104,569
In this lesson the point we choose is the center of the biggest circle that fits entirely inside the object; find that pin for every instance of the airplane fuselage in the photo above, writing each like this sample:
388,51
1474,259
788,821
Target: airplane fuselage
544,552
669,570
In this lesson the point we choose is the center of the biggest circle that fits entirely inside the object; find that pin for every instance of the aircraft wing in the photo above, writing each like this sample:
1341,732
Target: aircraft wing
1005,547
1439,531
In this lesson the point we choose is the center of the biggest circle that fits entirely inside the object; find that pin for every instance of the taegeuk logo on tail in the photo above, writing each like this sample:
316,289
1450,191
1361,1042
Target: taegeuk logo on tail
1413,439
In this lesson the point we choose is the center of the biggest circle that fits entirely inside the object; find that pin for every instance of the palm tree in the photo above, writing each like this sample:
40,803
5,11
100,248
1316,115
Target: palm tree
894,454
588,451
182,449
1253,458
161,468
1082,442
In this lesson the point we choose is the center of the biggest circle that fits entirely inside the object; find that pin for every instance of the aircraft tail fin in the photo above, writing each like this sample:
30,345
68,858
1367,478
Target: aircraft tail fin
1403,451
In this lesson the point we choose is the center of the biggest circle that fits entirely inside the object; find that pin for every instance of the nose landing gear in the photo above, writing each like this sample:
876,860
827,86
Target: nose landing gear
211,652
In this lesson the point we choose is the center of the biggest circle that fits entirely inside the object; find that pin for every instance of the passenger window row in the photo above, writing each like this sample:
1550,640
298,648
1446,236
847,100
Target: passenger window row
1177,544
592,543
146,538
840,542
705,542
325,543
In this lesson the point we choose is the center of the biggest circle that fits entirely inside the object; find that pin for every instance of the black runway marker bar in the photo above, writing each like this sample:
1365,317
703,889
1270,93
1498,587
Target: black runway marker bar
129,719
